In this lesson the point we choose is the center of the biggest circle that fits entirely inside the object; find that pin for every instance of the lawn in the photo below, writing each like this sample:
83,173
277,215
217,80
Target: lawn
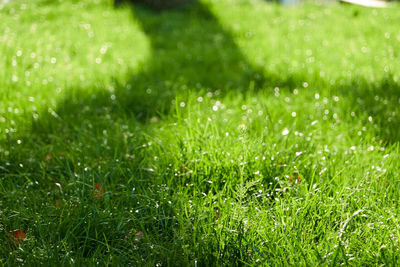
229,132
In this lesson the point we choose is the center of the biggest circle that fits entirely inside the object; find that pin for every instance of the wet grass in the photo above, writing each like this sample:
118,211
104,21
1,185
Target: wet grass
220,133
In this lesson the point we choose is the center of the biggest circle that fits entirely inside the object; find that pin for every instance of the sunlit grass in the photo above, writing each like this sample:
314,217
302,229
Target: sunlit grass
223,133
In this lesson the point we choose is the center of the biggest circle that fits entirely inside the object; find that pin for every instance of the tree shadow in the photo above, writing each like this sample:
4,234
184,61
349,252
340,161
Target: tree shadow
192,51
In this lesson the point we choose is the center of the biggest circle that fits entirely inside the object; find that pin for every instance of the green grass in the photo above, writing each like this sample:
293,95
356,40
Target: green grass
223,133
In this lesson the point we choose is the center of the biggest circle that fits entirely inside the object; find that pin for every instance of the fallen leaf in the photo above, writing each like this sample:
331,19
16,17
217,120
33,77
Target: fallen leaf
16,237
99,191
58,204
139,235
48,156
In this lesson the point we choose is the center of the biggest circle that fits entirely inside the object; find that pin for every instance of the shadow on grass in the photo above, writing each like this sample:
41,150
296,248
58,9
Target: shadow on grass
190,49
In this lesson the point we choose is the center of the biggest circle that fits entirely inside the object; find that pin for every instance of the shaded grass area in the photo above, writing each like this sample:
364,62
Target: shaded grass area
221,133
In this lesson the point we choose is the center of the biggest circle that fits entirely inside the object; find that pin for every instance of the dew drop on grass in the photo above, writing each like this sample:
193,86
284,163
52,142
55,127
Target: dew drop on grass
276,89
103,50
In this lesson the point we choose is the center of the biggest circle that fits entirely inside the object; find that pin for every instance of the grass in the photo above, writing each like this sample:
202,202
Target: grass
222,133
